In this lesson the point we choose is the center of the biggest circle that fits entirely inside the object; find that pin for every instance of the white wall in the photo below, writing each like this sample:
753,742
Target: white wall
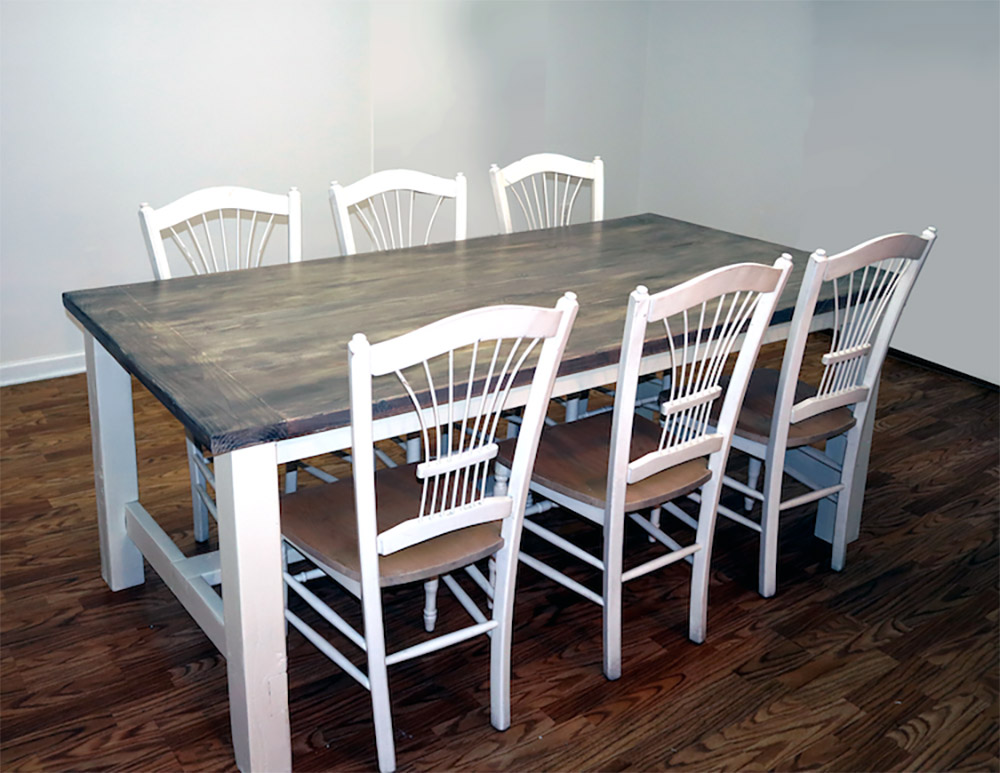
460,85
905,134
109,103
824,124
811,124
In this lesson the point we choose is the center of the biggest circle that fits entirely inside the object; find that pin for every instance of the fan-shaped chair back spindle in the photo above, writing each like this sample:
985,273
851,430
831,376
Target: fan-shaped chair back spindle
397,208
429,518
545,188
224,228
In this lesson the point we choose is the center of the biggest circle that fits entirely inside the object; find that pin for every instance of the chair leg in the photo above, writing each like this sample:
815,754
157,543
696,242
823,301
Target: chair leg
378,679
702,560
413,451
430,604
654,518
576,405
767,569
382,713
198,506
491,568
413,448
503,567
614,528
753,476
284,585
698,610
839,555
291,477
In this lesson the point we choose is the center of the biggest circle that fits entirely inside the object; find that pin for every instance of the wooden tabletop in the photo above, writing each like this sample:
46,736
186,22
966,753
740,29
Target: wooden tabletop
248,357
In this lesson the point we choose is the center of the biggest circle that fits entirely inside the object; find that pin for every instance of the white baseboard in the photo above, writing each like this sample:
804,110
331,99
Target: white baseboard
41,367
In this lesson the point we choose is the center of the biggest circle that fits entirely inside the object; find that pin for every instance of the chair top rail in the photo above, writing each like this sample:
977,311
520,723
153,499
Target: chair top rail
219,198
399,179
548,162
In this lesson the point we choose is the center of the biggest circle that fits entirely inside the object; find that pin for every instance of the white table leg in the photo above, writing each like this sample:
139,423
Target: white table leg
253,605
116,479
827,510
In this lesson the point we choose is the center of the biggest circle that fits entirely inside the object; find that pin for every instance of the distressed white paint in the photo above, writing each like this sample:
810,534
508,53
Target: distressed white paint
109,390
253,604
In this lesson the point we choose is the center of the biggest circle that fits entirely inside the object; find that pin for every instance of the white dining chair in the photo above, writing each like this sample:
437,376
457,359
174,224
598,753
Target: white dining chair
411,523
607,467
225,228
387,204
869,285
545,187
221,229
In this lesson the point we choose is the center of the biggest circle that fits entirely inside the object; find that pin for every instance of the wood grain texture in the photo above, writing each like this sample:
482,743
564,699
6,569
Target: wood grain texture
890,665
246,357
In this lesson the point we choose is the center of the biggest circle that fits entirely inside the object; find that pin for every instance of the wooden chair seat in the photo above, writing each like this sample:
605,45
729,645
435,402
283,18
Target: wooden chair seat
572,459
320,522
758,409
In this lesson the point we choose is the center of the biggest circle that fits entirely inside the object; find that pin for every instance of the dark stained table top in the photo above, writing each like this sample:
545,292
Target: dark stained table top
246,357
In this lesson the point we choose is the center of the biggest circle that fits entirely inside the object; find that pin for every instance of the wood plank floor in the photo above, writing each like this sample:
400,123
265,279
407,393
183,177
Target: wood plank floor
890,665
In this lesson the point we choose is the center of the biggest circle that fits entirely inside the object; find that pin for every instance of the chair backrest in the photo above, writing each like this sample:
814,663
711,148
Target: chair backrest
221,229
458,373
545,187
703,320
870,285
386,204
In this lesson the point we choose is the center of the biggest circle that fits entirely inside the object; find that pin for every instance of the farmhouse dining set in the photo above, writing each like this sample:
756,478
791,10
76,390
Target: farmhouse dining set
458,379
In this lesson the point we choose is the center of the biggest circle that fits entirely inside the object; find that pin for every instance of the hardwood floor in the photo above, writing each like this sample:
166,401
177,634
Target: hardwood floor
889,665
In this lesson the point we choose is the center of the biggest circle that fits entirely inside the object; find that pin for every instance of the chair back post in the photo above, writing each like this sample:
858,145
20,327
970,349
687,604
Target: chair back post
626,386
294,226
506,561
745,362
154,243
535,410
500,199
711,492
359,365
338,205
360,370
597,191
461,207
791,362
363,455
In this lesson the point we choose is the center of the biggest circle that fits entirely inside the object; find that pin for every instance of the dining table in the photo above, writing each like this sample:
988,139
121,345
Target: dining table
254,365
